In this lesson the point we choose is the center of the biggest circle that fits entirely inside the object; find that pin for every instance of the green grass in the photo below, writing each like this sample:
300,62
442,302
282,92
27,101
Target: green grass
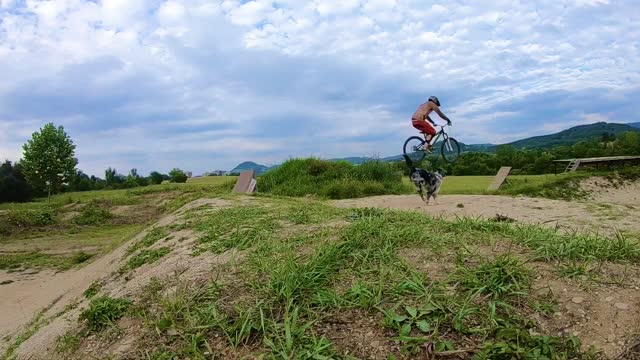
62,250
147,256
334,180
212,180
282,295
103,312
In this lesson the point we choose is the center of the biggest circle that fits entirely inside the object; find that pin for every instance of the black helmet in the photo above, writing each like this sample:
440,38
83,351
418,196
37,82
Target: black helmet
435,100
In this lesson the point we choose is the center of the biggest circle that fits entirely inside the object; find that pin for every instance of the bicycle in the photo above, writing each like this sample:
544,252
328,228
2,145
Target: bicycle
450,149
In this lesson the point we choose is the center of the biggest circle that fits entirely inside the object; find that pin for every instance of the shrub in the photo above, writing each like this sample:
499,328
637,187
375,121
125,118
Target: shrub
80,257
103,311
93,215
31,218
332,179
178,176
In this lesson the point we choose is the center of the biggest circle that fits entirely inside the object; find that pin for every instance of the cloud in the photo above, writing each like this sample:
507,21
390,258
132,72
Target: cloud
205,84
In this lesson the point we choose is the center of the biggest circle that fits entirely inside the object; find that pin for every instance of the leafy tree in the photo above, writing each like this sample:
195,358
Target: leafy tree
178,176
13,184
156,178
49,159
110,176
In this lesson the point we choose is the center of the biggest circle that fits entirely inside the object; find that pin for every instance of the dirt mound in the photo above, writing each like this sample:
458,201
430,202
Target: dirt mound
603,190
547,212
57,293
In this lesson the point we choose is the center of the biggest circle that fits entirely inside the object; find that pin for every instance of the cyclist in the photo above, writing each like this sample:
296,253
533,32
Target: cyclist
421,115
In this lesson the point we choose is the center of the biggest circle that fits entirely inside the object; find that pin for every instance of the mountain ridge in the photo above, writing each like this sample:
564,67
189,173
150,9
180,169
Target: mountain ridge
565,137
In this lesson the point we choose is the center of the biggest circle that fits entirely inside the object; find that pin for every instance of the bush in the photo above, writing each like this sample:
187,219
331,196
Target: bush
30,218
93,215
332,179
178,176
103,311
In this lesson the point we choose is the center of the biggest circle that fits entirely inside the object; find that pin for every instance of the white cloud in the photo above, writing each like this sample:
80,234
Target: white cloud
199,75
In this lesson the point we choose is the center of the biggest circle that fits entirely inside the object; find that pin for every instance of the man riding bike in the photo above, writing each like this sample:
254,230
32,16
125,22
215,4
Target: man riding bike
421,115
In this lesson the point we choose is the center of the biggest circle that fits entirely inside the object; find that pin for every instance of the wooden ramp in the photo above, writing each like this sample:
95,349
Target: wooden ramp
246,182
500,178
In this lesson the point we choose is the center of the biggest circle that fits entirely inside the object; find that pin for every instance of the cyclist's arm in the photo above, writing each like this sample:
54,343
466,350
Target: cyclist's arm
443,116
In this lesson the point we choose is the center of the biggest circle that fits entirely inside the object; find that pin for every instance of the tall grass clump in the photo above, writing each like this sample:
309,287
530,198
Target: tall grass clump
332,179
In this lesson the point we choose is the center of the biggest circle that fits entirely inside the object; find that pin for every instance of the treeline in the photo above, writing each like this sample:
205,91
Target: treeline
114,180
14,186
533,162
49,165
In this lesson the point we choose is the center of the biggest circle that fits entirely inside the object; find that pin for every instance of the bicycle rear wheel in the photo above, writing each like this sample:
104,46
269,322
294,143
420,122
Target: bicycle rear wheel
413,148
450,150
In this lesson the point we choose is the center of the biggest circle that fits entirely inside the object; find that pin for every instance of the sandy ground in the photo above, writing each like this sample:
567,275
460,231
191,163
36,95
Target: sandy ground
588,215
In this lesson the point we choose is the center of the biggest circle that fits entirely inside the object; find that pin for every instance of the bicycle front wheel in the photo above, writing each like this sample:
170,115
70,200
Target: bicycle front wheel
413,148
450,150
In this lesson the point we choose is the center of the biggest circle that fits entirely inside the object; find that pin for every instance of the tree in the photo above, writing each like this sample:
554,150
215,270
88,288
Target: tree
13,184
155,178
178,176
49,159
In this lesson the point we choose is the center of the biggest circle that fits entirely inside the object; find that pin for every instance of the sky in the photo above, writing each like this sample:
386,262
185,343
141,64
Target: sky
204,85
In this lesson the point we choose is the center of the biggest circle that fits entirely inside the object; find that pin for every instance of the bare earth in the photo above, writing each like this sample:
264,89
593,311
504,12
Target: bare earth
606,212
588,215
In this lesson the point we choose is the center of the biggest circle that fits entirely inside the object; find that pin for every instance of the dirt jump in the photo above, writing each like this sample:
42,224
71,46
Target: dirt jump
605,317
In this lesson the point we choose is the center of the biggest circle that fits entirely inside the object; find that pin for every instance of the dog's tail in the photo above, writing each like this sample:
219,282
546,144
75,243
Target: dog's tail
408,161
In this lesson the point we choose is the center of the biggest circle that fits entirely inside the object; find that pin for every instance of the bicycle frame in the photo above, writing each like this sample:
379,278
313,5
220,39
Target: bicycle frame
442,133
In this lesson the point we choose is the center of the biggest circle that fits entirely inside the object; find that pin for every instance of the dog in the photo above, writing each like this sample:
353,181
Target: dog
425,181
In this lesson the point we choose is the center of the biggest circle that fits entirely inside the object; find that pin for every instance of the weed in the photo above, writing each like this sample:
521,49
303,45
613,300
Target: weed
151,238
80,257
92,290
503,278
147,256
103,312
93,215
68,343
577,270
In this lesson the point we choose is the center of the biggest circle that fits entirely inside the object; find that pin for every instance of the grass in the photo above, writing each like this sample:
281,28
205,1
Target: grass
298,277
212,180
62,250
103,312
147,256
334,180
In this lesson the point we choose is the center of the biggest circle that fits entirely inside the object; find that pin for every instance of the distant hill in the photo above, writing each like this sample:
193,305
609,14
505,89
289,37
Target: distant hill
572,135
250,165
565,137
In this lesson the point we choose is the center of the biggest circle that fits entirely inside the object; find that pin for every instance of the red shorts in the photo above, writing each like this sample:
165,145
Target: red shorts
424,126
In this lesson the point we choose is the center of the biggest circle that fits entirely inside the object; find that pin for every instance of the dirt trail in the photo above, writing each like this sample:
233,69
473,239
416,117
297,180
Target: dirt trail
581,215
31,292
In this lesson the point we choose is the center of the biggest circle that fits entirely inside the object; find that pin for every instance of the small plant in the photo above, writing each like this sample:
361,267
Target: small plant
80,257
546,307
503,278
460,206
151,238
147,257
103,312
93,215
67,343
577,270
92,290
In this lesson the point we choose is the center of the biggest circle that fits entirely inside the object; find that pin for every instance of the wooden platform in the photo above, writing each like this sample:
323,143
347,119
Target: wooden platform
500,178
574,164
